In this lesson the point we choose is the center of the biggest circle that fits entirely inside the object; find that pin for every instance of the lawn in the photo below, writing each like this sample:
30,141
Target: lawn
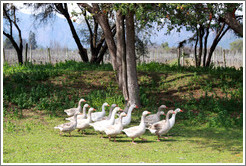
210,130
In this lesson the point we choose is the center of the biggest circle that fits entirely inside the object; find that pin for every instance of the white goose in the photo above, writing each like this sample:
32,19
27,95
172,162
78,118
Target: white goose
161,127
71,111
127,120
68,127
115,129
83,116
137,131
99,115
100,125
110,112
84,123
153,118
172,119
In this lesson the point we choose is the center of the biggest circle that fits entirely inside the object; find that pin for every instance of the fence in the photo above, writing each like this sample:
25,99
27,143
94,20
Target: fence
219,58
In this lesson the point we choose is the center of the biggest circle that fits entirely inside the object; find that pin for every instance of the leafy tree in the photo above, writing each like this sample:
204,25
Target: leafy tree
165,45
9,13
32,40
237,45
122,52
7,44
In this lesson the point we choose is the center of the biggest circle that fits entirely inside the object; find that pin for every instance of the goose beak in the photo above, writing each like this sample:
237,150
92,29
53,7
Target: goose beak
116,105
137,106
173,112
108,105
84,101
94,109
149,112
120,109
181,111
89,106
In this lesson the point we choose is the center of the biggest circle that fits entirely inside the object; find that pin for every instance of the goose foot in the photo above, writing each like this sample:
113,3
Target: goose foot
158,140
114,139
133,141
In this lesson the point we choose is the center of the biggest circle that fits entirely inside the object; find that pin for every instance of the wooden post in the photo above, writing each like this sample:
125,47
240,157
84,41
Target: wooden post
30,53
224,58
49,55
26,53
4,58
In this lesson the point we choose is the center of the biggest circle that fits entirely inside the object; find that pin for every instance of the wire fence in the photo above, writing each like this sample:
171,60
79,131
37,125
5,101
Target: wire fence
41,56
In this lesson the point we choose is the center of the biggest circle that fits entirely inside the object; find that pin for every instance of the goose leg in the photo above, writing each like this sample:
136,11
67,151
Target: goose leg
60,133
158,138
109,138
69,134
133,141
114,139
142,139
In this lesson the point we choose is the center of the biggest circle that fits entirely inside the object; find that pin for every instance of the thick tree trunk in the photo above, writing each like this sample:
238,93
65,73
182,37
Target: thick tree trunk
230,20
133,88
103,21
121,53
205,44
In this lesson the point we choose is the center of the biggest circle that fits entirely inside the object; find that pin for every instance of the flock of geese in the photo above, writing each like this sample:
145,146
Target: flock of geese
112,127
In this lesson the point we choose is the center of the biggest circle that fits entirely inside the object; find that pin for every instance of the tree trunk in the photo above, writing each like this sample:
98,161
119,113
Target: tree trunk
205,44
133,88
103,21
218,37
179,55
231,21
201,34
121,53
82,50
195,49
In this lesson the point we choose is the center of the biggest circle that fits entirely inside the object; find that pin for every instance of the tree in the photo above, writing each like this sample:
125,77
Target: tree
7,44
122,52
48,10
32,40
201,19
237,45
9,13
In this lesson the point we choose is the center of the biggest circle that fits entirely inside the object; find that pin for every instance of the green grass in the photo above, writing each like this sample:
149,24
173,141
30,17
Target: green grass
208,131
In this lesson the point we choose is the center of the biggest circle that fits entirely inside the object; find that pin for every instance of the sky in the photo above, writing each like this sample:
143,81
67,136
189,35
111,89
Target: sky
49,32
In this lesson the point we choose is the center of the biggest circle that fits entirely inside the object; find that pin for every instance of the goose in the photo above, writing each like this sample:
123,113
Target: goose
127,120
99,115
71,111
68,127
100,125
172,119
83,116
161,127
84,123
137,131
153,118
110,112
115,129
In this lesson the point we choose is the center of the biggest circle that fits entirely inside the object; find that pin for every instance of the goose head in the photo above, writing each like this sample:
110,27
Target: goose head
162,113
105,104
178,110
86,105
146,113
82,100
123,114
134,106
91,110
114,105
163,106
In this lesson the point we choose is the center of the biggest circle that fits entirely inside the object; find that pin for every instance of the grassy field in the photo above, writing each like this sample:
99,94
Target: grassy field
208,131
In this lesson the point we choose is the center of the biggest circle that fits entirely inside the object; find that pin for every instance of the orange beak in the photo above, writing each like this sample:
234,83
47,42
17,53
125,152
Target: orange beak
84,100
108,105
120,109
89,106
137,107
181,111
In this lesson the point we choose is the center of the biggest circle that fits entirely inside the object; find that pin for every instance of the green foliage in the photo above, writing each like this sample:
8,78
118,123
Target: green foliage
237,45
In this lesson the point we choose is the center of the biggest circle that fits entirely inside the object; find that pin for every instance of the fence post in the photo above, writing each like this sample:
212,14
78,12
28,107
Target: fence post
4,58
49,55
30,53
26,53
224,58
